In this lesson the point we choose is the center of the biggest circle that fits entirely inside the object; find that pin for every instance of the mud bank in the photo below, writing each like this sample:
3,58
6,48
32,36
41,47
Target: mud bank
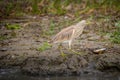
73,64
55,64
20,51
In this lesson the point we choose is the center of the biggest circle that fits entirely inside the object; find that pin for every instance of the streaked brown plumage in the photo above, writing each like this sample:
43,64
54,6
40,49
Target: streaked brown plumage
69,33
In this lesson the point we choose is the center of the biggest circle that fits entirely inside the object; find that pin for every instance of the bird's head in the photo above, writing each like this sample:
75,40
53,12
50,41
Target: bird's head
82,23
85,22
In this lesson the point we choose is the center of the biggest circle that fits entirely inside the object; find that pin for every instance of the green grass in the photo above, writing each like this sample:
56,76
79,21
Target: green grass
54,7
44,47
35,8
19,14
7,36
51,29
2,37
13,26
115,36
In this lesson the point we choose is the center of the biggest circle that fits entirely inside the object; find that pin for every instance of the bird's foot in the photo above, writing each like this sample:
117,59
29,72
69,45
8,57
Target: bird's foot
75,52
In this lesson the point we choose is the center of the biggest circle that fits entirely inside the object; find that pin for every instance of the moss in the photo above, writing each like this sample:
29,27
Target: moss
2,37
115,36
13,26
44,47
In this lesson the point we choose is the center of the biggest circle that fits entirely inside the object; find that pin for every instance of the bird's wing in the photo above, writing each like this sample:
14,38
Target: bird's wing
63,35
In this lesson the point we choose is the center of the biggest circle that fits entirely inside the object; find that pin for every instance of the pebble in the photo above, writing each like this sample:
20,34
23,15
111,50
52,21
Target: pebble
98,51
3,49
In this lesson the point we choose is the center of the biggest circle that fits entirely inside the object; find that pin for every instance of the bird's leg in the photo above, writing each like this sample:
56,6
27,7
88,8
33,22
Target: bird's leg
62,53
69,43
70,47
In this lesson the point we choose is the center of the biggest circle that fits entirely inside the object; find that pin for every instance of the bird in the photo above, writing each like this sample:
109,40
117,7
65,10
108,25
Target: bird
67,35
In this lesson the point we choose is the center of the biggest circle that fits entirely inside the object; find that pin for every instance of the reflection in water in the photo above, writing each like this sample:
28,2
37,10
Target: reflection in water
8,74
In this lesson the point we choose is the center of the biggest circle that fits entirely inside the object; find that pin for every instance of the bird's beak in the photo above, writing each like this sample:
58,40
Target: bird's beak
88,22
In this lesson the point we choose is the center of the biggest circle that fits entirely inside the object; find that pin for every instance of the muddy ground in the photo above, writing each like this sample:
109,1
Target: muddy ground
20,49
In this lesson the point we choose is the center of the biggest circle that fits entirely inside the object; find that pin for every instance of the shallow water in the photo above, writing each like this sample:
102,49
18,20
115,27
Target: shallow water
10,74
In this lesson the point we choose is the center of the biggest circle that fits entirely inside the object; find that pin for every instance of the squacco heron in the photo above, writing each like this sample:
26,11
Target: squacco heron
70,33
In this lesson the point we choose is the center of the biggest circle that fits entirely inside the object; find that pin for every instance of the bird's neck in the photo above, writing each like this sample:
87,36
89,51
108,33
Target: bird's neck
80,26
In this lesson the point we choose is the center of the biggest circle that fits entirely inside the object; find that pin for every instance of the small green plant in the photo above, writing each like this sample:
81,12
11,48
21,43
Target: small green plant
8,9
35,7
19,14
2,37
58,7
7,36
44,47
52,27
115,37
13,26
